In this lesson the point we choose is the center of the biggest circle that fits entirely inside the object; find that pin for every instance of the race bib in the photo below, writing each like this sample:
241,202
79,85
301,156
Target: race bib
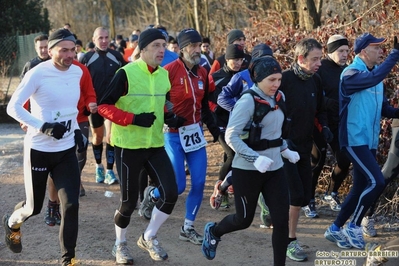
65,117
191,138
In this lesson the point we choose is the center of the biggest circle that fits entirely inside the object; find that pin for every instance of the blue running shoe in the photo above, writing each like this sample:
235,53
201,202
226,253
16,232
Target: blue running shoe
337,237
100,175
210,242
354,234
110,178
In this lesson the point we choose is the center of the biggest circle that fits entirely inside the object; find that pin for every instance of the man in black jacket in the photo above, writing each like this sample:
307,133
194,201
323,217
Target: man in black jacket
41,48
102,64
304,100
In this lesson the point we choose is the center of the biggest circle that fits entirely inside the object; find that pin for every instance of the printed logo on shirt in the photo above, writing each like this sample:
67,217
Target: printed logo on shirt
39,169
181,81
200,85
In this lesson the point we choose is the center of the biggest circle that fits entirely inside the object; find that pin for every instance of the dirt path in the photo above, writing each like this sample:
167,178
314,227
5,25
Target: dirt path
96,229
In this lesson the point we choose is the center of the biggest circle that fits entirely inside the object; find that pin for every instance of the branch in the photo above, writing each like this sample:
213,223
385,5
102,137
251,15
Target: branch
364,14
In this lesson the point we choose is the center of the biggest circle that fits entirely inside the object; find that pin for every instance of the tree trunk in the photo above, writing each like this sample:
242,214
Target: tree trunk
206,12
308,16
196,19
111,16
154,3
288,10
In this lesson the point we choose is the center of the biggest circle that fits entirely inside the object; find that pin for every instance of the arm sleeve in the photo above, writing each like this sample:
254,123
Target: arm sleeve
353,80
15,107
240,116
24,70
116,89
230,92
387,110
215,67
206,114
86,87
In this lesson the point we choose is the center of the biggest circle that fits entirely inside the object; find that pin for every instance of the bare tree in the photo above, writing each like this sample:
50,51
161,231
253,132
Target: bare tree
110,10
154,3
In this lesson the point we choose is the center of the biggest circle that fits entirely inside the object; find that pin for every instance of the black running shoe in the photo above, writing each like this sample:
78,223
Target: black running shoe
13,236
49,216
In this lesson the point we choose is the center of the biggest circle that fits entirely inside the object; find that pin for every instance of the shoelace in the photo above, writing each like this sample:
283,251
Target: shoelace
15,237
297,247
155,245
124,250
192,233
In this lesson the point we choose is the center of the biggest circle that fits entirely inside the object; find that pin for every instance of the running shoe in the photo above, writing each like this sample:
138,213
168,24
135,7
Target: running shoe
122,254
264,213
110,178
100,177
190,235
69,262
354,234
210,242
12,236
333,201
373,249
49,216
148,203
216,197
368,226
225,205
337,237
310,210
153,247
295,251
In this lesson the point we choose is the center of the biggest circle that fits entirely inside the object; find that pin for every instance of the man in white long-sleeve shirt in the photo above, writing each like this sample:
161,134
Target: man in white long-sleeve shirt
49,147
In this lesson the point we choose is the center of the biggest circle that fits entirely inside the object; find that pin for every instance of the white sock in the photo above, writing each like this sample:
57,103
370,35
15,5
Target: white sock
157,219
120,235
188,224
99,165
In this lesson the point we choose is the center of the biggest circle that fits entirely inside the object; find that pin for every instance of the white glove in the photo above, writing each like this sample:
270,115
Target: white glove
291,156
263,163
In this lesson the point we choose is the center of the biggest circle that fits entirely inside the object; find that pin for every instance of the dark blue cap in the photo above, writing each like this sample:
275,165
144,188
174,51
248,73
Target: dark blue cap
365,40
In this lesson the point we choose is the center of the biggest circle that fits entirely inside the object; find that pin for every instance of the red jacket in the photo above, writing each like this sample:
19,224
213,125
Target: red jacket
188,91
87,93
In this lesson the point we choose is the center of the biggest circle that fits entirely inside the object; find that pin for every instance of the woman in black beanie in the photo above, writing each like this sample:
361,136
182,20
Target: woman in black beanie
257,167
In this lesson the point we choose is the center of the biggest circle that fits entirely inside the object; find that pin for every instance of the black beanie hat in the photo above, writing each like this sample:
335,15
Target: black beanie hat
262,67
261,50
188,36
60,35
234,35
148,36
234,51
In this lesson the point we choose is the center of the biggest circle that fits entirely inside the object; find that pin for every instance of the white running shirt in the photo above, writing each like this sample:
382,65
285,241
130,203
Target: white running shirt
54,97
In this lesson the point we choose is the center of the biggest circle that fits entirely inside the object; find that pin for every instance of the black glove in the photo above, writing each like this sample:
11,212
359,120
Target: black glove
331,105
144,119
80,141
55,130
327,134
174,121
86,112
395,43
215,131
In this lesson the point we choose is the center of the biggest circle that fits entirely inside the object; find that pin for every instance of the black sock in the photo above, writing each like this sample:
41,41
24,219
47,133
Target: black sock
291,239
